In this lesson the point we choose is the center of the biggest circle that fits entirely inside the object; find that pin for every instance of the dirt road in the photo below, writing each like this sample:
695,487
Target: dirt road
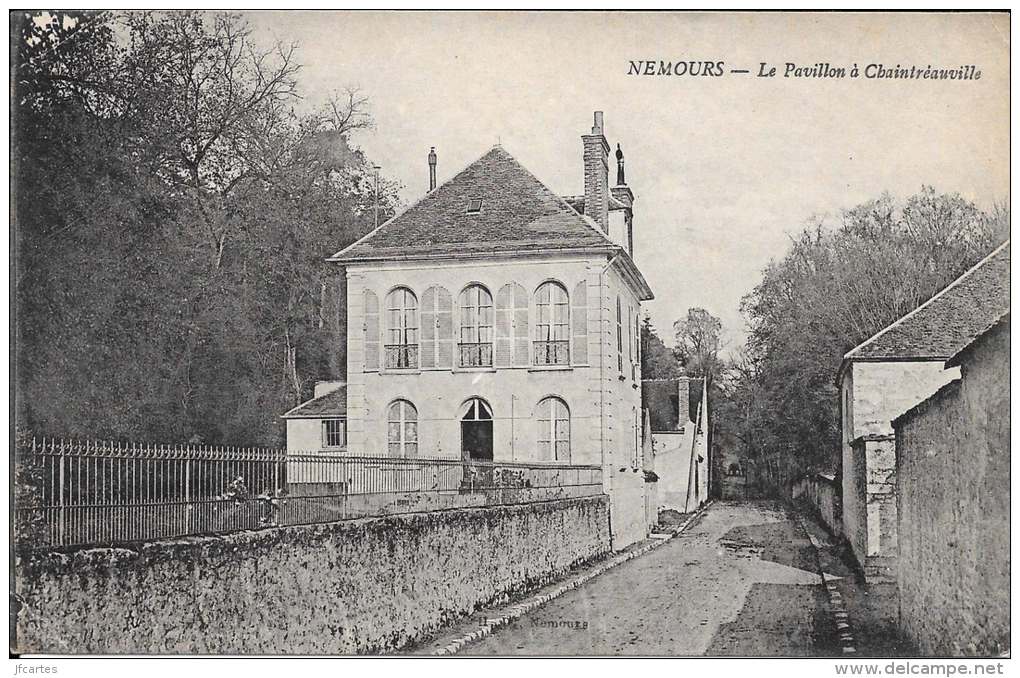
744,581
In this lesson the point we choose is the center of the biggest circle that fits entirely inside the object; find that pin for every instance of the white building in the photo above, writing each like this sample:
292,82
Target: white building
319,424
496,320
678,428
887,375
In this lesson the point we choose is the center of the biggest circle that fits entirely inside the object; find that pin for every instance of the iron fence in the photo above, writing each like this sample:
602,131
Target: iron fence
74,493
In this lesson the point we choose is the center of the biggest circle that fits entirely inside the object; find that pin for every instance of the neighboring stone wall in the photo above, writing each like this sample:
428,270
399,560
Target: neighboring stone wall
628,490
855,517
872,394
871,527
673,466
953,470
363,586
821,493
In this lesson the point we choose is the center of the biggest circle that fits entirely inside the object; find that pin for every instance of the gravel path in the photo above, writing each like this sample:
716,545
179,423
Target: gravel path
742,581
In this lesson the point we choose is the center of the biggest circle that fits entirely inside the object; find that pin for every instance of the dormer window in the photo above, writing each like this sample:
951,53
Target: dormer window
474,206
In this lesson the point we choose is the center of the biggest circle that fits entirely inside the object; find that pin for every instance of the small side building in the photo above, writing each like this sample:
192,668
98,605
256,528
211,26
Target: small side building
319,424
891,372
952,466
679,441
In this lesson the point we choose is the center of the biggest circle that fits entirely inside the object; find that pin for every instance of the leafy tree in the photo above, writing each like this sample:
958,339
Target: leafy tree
172,216
657,361
698,340
833,289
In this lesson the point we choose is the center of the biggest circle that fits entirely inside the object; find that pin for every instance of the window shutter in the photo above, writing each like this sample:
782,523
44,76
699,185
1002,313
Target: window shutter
444,328
428,328
637,345
520,326
579,323
504,322
371,331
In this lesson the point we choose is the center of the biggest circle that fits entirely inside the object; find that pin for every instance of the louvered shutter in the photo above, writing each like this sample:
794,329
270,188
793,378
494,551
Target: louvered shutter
371,331
504,325
520,326
444,328
579,323
637,344
428,328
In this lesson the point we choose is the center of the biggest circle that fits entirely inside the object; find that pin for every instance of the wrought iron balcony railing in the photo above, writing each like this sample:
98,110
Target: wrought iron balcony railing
401,356
476,355
552,352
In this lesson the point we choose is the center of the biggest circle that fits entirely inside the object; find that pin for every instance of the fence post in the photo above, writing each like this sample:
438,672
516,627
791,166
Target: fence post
60,502
187,491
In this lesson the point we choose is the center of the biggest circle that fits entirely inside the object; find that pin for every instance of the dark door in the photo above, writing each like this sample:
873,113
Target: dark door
476,431
477,436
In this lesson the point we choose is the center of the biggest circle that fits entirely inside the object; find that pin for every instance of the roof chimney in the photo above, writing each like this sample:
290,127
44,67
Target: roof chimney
683,415
621,180
596,174
432,169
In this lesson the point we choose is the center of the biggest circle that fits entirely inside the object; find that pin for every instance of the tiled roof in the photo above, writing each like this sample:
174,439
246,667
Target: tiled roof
518,213
1000,325
951,319
332,404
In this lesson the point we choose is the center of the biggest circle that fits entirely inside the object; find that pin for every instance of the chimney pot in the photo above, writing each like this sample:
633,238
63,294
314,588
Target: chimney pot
621,179
597,127
432,169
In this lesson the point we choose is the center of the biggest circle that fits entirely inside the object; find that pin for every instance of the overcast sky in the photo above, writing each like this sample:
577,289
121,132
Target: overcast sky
723,168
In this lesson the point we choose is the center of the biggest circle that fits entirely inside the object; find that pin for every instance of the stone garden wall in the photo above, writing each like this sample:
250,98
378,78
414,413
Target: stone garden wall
372,585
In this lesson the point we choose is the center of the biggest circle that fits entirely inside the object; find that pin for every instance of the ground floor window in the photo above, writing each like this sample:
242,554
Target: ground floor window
334,432
553,430
402,429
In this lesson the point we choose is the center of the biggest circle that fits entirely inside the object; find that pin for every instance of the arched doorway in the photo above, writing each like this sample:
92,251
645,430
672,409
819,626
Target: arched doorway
476,430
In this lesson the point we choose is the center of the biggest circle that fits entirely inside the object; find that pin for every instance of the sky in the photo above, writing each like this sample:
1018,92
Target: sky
724,169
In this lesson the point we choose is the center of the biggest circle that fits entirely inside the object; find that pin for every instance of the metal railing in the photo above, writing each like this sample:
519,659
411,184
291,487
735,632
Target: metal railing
475,354
401,356
552,352
73,493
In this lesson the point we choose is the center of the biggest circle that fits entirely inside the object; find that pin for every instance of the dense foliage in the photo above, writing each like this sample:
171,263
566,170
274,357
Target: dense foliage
833,289
172,214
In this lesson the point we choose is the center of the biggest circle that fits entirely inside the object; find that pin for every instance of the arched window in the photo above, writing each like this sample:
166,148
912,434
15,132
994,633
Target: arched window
475,327
402,429
553,430
401,329
552,327
475,409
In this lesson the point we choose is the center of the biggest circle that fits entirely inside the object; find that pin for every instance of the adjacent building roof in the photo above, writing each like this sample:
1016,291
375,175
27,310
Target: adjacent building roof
1000,325
938,328
518,215
332,404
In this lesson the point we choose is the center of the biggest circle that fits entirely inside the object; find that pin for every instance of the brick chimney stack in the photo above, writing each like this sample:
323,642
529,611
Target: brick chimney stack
683,401
596,174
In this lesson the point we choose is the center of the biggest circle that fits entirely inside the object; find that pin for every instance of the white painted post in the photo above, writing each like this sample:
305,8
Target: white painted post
60,494
187,491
